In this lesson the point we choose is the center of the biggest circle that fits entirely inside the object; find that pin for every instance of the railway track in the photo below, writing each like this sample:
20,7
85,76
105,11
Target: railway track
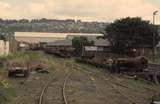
90,79
99,91
40,101
114,85
93,75
51,84
64,88
117,81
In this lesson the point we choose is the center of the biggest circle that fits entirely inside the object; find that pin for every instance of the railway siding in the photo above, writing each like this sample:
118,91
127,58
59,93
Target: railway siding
74,83
135,94
110,87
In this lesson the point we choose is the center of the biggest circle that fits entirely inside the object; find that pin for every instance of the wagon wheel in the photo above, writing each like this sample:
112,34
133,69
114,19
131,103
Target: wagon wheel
9,74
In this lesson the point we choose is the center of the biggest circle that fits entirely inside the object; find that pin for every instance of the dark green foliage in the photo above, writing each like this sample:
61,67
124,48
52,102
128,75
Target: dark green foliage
130,33
79,43
5,32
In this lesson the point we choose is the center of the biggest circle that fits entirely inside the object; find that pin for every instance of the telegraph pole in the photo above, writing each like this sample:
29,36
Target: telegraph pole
154,37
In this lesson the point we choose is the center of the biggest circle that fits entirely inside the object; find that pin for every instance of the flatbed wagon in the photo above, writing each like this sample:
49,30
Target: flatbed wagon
18,71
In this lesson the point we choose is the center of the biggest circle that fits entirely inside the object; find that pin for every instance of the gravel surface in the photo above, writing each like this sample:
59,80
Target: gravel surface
94,87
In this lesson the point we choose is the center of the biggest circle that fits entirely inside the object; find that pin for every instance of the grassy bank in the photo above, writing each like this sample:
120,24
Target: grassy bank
6,91
31,58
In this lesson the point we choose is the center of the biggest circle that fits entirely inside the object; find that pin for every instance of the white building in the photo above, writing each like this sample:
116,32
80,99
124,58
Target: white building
36,37
4,48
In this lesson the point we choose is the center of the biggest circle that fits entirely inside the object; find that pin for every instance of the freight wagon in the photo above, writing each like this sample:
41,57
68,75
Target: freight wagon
17,69
126,64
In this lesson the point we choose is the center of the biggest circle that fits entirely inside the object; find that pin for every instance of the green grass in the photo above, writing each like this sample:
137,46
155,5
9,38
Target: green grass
6,91
53,63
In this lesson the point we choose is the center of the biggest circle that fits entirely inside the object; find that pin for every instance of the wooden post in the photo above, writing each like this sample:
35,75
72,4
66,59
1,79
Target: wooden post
148,77
156,79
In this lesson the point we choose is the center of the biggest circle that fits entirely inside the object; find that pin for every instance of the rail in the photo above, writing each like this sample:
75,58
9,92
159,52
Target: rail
40,100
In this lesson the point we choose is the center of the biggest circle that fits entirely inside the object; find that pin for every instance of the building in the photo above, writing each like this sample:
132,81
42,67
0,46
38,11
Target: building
100,47
103,44
90,37
62,48
23,46
146,51
8,43
4,48
38,37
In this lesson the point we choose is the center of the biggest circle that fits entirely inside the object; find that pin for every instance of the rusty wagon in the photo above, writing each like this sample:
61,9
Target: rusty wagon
17,69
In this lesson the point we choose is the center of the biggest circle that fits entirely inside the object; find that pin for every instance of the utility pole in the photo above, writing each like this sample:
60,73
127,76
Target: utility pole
154,37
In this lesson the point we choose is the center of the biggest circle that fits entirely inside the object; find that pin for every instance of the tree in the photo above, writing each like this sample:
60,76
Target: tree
4,32
130,33
79,42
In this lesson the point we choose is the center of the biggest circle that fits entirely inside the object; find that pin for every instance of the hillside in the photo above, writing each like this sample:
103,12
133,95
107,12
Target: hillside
52,25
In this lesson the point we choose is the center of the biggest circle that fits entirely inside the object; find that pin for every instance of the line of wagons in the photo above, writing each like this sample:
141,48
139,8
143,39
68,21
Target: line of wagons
100,59
133,64
129,64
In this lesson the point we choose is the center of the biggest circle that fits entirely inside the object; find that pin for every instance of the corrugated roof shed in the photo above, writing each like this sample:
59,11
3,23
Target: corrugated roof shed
60,43
102,42
98,42
39,35
60,35
89,37
36,37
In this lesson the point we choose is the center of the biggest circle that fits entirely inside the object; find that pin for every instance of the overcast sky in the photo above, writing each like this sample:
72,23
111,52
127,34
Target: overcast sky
88,10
